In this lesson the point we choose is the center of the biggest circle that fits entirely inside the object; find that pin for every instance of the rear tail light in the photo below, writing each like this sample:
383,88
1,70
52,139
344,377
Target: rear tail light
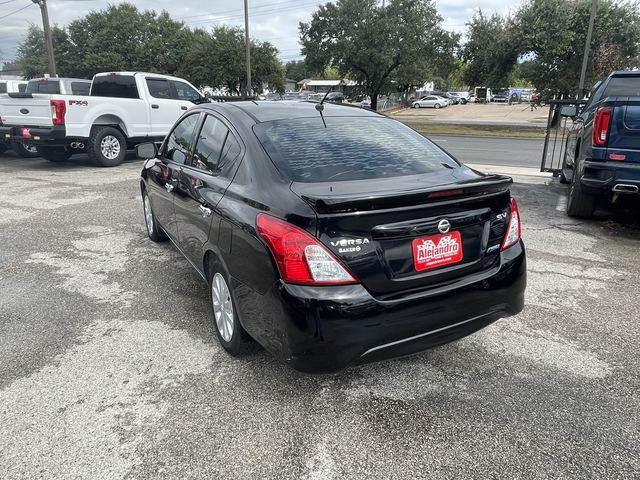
58,111
601,126
300,257
514,230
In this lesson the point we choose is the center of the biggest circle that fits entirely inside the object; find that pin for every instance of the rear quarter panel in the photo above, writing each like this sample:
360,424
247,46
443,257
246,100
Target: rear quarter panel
84,112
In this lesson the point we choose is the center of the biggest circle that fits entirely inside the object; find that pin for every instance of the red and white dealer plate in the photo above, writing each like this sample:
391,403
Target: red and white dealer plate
437,251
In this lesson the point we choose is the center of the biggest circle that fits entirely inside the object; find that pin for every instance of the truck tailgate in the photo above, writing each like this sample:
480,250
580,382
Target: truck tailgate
26,110
624,135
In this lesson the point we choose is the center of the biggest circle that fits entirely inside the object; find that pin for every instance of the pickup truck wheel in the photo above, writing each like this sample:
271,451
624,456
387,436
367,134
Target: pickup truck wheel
107,147
24,150
579,204
3,147
55,154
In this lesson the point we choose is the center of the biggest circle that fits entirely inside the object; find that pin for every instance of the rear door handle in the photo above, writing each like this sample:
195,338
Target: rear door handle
155,106
183,107
206,212
169,187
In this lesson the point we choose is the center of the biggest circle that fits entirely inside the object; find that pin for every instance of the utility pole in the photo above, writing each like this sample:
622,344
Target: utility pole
48,43
246,39
587,46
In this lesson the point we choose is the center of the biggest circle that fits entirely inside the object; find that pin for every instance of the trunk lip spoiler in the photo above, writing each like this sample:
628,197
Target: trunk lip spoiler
493,185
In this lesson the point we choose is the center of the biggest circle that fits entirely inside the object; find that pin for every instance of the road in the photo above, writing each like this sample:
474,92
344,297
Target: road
514,152
109,366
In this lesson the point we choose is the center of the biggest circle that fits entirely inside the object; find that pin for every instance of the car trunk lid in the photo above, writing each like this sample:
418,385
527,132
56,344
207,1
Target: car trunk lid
390,232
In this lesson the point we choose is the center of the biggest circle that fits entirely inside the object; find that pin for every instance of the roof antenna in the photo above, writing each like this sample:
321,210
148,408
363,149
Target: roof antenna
320,106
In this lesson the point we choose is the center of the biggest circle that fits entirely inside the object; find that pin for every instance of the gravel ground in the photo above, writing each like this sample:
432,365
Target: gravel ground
109,367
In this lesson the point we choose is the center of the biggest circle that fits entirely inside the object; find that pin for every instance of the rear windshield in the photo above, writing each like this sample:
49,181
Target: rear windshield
43,86
3,88
80,88
120,86
350,148
627,86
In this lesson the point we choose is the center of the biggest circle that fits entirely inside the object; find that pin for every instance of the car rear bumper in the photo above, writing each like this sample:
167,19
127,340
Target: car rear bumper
54,135
325,329
600,177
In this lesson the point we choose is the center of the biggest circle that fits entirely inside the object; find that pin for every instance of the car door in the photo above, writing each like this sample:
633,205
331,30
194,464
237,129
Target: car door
164,108
164,174
430,101
202,184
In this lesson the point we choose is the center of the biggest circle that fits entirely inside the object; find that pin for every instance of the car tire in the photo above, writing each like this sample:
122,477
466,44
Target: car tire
55,154
3,148
154,230
463,102
107,147
416,105
437,105
24,151
579,204
231,335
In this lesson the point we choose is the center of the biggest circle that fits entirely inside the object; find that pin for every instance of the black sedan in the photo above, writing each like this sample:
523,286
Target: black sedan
332,235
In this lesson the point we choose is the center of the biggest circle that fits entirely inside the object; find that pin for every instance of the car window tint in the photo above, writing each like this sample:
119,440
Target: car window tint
230,153
179,141
22,87
43,86
186,92
209,145
627,86
159,88
80,88
349,148
119,86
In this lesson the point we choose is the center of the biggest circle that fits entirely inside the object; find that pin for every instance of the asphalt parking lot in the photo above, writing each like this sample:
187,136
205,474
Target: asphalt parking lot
109,366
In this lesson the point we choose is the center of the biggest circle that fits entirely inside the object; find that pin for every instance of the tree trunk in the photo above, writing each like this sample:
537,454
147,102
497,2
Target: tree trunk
374,100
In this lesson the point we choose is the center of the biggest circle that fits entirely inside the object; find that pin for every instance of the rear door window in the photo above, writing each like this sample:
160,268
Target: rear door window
178,144
80,88
349,148
119,86
210,144
159,88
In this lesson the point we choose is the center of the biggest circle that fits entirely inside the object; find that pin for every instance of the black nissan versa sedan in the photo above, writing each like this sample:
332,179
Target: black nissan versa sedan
332,235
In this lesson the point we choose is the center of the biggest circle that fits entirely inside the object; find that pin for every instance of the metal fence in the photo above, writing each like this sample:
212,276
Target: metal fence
559,122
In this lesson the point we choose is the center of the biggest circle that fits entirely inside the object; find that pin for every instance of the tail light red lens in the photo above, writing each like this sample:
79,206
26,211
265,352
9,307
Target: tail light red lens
514,230
601,126
58,111
301,259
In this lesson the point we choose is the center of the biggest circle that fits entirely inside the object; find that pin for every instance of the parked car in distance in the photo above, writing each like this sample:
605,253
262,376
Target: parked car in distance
460,99
500,95
431,101
332,239
13,86
121,110
602,154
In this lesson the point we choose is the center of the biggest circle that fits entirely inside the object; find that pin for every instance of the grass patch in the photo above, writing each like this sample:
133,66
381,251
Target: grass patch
516,131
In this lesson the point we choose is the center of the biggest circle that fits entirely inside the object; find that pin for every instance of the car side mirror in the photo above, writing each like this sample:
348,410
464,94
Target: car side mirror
568,111
146,150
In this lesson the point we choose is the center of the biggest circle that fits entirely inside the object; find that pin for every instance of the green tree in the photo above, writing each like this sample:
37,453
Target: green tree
32,56
552,33
369,43
491,50
296,70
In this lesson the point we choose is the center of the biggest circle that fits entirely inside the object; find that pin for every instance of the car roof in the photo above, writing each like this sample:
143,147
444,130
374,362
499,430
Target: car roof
266,111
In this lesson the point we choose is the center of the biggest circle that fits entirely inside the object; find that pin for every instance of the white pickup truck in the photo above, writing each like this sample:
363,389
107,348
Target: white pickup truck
121,110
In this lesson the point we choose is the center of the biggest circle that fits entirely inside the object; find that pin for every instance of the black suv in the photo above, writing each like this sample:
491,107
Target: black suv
332,235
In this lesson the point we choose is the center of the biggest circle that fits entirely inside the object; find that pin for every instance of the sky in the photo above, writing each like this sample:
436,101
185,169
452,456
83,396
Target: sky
275,21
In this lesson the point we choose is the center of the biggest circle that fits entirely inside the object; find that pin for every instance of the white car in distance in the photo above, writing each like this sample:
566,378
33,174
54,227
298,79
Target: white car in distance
431,101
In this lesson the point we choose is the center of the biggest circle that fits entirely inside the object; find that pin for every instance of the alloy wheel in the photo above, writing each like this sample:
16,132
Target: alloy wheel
148,214
110,147
222,307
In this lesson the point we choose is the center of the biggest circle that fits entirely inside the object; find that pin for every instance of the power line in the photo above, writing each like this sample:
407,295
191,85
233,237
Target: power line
253,7
15,11
239,16
8,1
